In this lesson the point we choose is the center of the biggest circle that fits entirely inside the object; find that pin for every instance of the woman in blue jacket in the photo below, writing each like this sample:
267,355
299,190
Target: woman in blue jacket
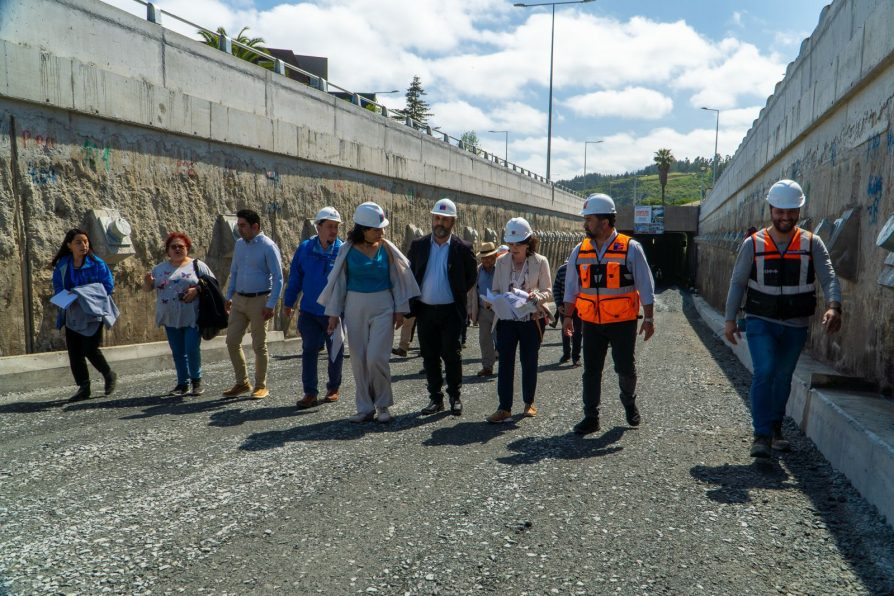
75,265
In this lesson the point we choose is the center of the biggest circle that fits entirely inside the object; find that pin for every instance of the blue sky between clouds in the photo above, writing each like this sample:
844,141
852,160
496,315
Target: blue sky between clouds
631,73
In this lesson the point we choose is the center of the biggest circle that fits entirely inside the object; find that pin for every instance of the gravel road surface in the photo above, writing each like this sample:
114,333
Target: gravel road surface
137,493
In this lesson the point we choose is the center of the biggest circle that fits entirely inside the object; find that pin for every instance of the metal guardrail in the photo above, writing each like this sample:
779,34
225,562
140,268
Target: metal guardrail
224,43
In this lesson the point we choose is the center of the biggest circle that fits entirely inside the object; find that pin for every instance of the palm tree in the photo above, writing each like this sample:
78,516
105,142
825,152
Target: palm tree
256,43
663,159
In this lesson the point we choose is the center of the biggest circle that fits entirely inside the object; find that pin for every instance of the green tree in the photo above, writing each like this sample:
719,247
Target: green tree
469,141
663,159
417,108
256,43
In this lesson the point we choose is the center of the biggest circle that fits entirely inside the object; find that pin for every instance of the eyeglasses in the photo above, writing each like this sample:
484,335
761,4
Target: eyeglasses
177,247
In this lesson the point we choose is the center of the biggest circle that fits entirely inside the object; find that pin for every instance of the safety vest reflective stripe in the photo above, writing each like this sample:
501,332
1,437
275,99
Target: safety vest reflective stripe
607,291
765,250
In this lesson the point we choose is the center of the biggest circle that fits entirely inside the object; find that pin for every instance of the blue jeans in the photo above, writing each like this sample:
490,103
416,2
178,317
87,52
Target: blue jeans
313,336
185,345
775,349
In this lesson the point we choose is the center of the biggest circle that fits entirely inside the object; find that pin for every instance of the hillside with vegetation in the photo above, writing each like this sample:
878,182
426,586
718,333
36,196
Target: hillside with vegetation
687,182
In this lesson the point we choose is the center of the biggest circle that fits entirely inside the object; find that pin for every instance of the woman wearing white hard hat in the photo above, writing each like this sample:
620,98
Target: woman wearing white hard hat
526,270
370,286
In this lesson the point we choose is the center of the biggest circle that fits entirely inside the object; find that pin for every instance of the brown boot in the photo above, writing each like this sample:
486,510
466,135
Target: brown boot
331,396
308,401
237,389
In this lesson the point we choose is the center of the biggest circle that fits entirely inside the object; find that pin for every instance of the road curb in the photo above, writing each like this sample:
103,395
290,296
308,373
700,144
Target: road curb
853,430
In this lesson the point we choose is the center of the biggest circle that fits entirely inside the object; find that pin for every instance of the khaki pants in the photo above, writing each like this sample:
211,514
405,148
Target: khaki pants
243,312
406,333
486,337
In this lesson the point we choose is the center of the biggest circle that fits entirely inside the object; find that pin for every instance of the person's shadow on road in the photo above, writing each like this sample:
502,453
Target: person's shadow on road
236,417
30,407
735,482
468,433
532,450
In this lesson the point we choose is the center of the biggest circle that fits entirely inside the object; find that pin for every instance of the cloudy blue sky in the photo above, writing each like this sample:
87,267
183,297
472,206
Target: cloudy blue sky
632,73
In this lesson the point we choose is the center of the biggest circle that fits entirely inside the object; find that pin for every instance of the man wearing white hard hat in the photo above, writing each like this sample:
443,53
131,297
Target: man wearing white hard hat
370,287
445,269
311,265
606,282
776,271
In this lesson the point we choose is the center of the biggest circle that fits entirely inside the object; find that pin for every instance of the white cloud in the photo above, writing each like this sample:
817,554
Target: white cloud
632,102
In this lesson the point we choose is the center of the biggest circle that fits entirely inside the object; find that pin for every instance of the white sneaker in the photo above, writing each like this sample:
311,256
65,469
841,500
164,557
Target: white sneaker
384,415
361,417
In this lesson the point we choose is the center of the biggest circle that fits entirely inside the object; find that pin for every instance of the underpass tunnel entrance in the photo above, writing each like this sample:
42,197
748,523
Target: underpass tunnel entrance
668,256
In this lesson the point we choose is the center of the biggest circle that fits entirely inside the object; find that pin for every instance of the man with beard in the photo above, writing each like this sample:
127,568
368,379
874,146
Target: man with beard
445,268
606,281
776,270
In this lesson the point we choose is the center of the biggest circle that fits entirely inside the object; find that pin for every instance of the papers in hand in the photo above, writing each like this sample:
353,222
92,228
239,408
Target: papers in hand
64,299
338,341
510,306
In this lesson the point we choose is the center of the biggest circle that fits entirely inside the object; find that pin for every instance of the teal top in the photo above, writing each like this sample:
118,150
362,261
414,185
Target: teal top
367,275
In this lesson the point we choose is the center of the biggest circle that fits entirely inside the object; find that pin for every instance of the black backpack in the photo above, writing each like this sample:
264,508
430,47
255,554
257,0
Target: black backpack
212,314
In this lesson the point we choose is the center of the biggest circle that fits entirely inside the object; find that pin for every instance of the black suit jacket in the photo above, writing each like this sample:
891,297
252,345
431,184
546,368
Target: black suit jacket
462,269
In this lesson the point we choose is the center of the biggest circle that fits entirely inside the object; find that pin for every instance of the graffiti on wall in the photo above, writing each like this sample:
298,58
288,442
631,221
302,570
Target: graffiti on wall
874,194
94,155
41,175
37,140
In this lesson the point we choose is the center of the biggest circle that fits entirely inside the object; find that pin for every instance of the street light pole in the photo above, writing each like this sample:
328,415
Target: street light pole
506,150
716,134
552,39
585,153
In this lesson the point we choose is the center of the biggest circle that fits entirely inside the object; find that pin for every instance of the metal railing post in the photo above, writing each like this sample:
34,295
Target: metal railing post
279,67
224,44
153,13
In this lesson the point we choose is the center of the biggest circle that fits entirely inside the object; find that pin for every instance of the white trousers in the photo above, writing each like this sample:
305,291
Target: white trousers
369,320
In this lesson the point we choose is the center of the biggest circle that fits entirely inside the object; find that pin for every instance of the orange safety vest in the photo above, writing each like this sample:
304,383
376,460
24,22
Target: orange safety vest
781,285
607,291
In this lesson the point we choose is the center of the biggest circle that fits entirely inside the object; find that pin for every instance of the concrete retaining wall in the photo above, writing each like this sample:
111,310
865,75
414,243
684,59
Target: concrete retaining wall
100,109
828,125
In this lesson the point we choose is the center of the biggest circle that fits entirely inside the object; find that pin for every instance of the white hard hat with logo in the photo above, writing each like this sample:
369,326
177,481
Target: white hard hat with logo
327,213
517,230
444,207
598,204
370,215
786,194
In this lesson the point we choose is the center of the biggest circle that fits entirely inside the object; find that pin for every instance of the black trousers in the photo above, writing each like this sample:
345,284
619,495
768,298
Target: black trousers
81,349
526,337
439,328
571,345
597,339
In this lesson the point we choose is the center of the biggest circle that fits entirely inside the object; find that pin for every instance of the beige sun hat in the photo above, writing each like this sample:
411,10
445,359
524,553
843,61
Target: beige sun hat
487,249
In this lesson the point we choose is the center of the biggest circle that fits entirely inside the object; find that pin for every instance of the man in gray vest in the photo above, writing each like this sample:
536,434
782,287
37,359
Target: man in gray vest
775,271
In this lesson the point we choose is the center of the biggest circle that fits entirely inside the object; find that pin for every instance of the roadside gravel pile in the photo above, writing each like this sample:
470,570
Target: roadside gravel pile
143,494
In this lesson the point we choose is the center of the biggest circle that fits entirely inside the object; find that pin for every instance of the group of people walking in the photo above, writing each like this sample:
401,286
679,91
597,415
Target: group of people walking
364,288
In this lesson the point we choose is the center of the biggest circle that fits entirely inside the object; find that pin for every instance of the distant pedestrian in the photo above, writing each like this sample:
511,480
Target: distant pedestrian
176,284
76,269
571,345
526,270
607,280
776,270
480,311
253,291
370,287
311,265
445,268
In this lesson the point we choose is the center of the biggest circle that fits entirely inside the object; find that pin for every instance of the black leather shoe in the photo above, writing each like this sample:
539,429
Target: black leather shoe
588,425
564,359
632,412
82,394
456,407
433,407
111,382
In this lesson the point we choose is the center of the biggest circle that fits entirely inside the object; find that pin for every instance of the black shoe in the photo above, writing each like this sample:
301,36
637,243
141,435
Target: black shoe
197,388
780,443
399,352
632,413
82,393
565,358
179,390
456,407
589,424
761,447
111,382
433,407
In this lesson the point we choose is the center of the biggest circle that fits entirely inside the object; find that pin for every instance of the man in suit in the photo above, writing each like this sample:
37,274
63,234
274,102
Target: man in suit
445,268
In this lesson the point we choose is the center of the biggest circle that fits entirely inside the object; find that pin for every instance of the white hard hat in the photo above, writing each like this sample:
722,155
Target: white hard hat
517,230
502,248
370,215
444,207
327,213
598,204
786,194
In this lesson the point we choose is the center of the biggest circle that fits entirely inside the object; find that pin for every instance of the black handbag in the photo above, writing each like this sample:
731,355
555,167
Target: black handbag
212,311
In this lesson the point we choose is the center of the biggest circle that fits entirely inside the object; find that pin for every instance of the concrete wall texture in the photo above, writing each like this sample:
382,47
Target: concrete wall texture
828,126
99,109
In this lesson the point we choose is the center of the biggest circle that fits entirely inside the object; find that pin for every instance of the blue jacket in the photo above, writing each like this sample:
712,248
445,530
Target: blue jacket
308,274
66,276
